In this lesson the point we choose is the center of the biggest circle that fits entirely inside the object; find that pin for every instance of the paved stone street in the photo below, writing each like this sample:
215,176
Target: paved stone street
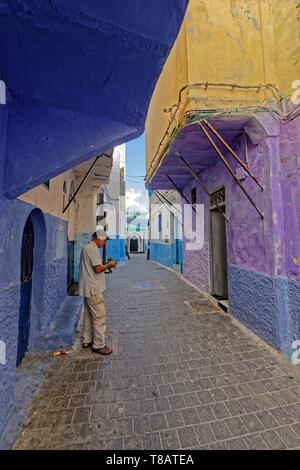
176,380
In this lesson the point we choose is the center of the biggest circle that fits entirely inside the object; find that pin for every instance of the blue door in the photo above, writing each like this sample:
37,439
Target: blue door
26,289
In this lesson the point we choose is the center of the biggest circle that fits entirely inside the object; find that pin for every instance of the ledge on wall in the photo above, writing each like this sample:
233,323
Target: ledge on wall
62,331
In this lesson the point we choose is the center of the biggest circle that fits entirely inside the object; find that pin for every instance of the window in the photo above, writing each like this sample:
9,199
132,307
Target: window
193,203
159,223
64,194
194,196
99,219
47,185
217,198
72,191
100,199
106,225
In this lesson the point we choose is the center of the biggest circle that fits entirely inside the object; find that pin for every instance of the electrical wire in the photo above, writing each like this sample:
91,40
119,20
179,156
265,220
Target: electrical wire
136,182
136,176
285,117
164,204
156,192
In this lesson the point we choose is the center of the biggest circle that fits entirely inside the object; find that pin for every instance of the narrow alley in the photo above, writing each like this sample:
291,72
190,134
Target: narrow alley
183,375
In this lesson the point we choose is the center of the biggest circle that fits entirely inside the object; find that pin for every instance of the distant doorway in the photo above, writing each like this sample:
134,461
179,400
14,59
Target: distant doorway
218,246
134,244
26,289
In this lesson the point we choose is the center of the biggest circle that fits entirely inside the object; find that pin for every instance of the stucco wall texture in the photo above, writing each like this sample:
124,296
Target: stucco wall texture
263,254
73,103
247,42
196,266
115,248
164,253
49,284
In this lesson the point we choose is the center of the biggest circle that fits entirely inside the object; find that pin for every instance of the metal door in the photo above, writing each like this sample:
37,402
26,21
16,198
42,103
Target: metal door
134,245
218,253
26,289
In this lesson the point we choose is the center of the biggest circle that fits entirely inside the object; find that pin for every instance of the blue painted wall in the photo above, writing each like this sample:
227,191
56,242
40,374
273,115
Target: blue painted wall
288,298
109,56
59,120
49,284
81,240
115,248
165,253
268,306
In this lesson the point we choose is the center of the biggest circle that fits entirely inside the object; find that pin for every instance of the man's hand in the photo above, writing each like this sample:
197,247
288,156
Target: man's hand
112,264
102,268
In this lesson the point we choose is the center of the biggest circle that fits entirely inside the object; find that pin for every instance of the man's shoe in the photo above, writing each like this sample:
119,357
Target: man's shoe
105,351
86,345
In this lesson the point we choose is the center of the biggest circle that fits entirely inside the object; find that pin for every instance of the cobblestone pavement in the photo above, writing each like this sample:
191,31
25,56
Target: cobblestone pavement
176,380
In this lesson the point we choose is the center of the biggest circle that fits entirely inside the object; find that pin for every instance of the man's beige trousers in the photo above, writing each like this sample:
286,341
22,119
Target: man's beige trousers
94,325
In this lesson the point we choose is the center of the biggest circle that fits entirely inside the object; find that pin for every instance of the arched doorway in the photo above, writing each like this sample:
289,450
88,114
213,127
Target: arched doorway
26,289
134,244
32,282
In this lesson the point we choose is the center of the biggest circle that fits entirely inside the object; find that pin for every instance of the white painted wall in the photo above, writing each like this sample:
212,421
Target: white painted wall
114,196
156,207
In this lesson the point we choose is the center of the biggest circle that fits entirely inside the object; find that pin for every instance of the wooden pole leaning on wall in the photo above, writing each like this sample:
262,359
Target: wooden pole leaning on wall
218,151
197,178
180,192
162,201
233,153
167,200
80,185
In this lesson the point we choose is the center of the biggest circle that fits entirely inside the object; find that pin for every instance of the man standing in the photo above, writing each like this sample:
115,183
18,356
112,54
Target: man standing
91,286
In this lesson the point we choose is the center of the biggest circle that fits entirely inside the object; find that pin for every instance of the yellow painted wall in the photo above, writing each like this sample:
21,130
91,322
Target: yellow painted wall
225,41
174,76
51,201
246,42
287,43
81,214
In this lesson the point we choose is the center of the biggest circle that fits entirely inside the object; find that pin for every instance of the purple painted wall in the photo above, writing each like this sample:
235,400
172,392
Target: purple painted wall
253,243
290,184
263,254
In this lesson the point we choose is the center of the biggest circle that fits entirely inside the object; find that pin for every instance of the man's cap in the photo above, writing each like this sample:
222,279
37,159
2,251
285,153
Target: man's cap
100,233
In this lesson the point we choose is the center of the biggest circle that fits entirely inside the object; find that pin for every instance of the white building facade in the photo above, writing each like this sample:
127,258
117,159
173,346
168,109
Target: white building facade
111,207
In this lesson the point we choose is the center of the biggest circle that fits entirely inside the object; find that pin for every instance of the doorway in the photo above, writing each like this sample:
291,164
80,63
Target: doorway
134,244
218,246
26,289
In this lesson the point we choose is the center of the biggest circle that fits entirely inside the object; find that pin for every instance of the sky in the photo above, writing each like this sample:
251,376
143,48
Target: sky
136,194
